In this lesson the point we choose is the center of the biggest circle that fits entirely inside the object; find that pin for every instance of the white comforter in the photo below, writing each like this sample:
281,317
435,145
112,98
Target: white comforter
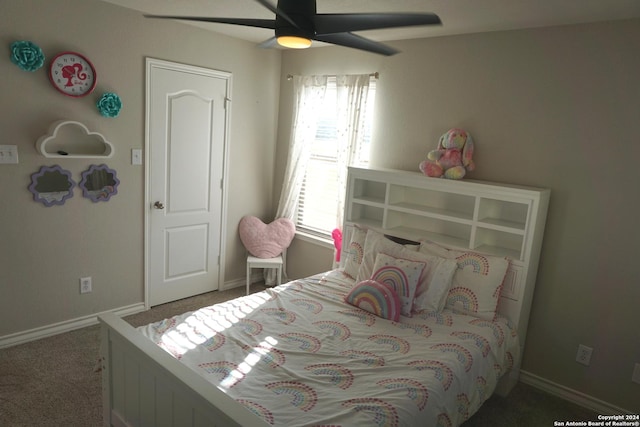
298,355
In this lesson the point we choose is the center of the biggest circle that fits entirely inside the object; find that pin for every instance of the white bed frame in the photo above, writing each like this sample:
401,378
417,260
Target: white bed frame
145,386
494,219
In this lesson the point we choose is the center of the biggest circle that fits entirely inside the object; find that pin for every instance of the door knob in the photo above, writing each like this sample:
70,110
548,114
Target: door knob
158,205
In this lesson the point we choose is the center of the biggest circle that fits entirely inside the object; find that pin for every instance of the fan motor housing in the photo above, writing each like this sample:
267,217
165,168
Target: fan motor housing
302,13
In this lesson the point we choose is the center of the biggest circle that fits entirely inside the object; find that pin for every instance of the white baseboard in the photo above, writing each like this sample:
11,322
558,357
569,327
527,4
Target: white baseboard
92,319
256,276
66,326
236,283
574,396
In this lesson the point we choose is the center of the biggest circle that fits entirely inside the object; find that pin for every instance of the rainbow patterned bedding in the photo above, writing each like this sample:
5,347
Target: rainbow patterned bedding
298,355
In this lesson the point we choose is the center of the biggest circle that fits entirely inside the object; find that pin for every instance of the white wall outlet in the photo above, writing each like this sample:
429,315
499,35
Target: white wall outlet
85,285
9,154
136,156
635,377
584,355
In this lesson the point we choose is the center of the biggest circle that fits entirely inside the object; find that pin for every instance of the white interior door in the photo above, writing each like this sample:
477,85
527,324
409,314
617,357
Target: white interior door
187,122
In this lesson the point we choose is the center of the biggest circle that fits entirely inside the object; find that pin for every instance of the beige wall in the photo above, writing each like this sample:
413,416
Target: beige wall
556,108
44,251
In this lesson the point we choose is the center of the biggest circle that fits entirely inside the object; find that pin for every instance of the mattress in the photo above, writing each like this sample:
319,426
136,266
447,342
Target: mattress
298,355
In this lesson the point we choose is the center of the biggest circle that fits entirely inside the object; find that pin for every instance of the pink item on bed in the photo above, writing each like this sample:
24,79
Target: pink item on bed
337,242
266,240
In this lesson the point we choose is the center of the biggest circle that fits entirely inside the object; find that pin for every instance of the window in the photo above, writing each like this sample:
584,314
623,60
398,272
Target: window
318,207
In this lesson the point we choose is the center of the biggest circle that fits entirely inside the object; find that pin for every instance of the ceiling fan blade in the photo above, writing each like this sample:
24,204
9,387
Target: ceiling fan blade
349,22
269,43
278,12
259,23
356,42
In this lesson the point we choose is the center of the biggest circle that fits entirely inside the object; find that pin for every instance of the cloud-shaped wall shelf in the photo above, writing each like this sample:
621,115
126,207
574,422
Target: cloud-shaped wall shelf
73,139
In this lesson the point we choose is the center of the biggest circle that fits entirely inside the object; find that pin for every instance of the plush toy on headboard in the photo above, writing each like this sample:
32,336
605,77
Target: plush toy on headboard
452,159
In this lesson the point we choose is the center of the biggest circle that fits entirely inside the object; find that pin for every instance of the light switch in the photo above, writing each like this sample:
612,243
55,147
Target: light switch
136,156
9,154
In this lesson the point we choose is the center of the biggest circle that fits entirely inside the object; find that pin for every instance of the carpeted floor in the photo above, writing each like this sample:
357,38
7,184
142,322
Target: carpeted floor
55,381
51,382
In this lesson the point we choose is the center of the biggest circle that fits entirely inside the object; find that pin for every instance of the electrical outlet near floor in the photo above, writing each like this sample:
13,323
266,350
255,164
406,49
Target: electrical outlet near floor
635,377
85,285
584,354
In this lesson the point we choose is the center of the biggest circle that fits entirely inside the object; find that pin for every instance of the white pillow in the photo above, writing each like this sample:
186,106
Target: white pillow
433,296
402,274
477,280
377,243
354,252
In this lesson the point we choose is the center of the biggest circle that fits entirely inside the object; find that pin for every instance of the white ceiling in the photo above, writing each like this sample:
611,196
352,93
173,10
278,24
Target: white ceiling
458,16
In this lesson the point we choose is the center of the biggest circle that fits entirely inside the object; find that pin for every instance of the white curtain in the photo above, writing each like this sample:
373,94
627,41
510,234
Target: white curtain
352,97
309,94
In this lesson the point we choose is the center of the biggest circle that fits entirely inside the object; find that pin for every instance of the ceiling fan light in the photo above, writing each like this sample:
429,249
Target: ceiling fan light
294,42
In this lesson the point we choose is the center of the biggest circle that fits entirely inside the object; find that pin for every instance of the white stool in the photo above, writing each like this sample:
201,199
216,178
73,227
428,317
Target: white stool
255,262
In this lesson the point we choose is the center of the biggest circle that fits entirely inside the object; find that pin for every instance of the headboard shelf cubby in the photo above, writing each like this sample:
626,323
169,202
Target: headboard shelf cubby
469,214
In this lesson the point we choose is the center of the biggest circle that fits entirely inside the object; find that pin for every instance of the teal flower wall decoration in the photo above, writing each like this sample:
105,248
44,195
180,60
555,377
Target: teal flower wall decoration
109,104
27,55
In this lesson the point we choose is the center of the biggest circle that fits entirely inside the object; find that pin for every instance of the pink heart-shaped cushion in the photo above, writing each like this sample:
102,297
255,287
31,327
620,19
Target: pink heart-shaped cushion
266,240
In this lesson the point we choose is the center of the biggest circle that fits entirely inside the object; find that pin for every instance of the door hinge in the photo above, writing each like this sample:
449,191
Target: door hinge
226,102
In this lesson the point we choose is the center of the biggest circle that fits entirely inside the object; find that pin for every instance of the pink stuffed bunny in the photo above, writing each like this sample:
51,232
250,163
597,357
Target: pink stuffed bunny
452,158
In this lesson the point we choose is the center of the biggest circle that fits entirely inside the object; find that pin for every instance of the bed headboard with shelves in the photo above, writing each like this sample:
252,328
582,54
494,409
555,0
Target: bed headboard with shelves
490,218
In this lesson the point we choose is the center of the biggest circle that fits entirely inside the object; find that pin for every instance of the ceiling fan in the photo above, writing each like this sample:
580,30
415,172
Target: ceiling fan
297,23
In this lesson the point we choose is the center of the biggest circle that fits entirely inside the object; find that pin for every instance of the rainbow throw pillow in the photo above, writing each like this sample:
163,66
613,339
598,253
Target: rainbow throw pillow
378,298
402,274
